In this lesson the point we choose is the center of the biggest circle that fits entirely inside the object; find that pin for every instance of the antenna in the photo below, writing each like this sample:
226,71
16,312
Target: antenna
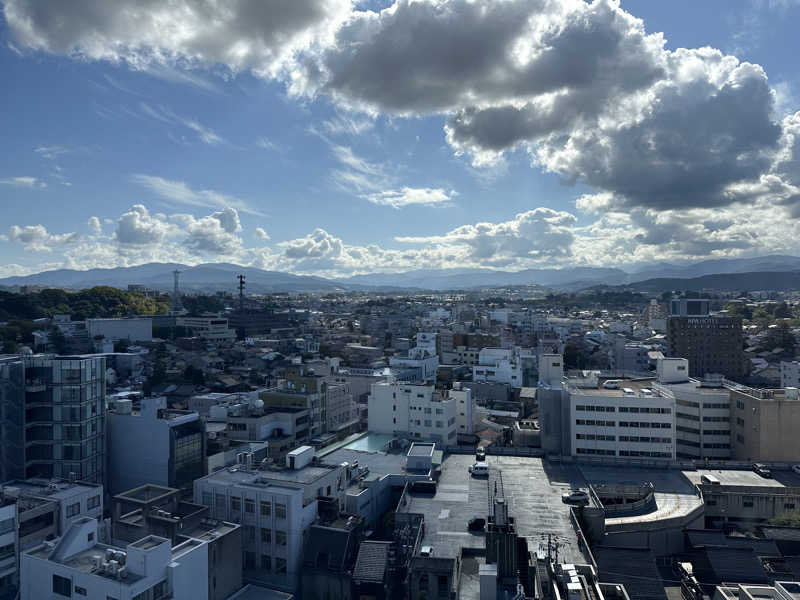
241,279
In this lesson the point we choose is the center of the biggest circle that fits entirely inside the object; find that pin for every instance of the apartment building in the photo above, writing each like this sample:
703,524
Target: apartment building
64,422
12,417
413,410
275,505
465,408
499,365
174,454
135,329
77,564
765,424
702,410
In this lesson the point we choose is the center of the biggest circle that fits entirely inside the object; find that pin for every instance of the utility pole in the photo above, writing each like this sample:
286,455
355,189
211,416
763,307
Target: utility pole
242,328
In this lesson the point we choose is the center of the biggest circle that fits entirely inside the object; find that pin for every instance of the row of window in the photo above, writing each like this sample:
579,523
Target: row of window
249,505
594,436
645,453
595,451
645,439
645,425
645,409
594,423
249,562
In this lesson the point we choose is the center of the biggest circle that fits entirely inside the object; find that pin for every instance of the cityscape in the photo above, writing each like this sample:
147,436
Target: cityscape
399,300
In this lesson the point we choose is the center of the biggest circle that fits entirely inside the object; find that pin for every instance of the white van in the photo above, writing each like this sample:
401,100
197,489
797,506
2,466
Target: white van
479,469
611,384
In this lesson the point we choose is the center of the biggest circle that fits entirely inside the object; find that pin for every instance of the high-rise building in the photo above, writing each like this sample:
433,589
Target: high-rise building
711,344
764,424
53,417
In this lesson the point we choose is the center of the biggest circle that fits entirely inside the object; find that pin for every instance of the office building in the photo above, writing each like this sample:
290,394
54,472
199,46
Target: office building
12,417
765,424
276,505
711,344
137,329
153,444
498,365
413,410
208,328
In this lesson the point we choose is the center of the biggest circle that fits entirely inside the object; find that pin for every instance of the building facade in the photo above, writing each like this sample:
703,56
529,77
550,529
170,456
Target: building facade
765,424
710,344
412,410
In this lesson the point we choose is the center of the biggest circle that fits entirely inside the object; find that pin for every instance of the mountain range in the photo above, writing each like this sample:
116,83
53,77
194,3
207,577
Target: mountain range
212,277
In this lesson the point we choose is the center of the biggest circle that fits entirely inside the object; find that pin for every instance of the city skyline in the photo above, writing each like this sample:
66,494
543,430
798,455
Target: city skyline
329,138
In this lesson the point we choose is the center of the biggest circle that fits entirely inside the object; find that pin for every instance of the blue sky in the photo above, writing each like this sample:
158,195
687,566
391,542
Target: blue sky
308,152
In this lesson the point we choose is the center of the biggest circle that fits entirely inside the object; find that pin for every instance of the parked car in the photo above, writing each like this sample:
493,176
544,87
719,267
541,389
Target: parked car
480,454
426,551
796,469
762,470
479,469
575,497
476,524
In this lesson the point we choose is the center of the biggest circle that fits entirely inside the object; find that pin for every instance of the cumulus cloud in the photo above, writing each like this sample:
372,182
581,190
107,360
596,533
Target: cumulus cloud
138,227
261,234
411,196
36,238
94,225
23,181
246,34
215,234
179,192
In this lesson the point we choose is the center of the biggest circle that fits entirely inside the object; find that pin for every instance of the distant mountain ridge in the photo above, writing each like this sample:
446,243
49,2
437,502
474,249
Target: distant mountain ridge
732,282
213,277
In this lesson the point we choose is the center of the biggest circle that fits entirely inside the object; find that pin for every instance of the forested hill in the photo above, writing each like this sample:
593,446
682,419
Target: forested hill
101,301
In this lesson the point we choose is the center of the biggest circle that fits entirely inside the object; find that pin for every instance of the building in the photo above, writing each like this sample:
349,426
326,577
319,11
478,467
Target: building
12,417
35,510
702,411
276,505
711,344
65,424
208,328
499,365
413,410
422,360
77,564
173,454
764,424
790,373
135,329
465,408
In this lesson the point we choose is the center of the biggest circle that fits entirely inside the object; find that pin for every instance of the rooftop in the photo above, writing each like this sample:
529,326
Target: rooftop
52,489
746,478
418,449
238,475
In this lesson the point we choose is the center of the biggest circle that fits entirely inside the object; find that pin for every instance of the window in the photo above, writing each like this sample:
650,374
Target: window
789,506
747,501
73,509
442,584
280,510
249,533
62,586
249,560
266,562
206,499
236,503
280,537
423,582
266,509
266,535
93,502
249,505
80,590
280,565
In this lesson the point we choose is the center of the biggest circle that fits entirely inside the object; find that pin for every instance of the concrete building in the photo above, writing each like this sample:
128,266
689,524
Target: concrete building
790,373
174,452
275,505
65,424
412,410
465,408
12,417
764,424
135,329
78,565
711,344
208,328
702,411
498,365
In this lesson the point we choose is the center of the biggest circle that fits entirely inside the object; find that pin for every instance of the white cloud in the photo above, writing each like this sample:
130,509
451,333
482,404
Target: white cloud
179,192
261,234
36,238
166,115
51,152
24,181
215,234
94,225
138,227
412,196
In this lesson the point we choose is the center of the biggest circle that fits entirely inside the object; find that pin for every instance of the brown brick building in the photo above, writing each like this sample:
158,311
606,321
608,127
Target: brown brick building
711,344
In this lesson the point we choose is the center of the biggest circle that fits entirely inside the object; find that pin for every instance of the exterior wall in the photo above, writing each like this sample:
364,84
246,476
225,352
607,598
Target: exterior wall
746,503
790,374
208,328
606,425
465,419
413,410
764,426
66,398
9,547
711,344
12,418
702,420
135,330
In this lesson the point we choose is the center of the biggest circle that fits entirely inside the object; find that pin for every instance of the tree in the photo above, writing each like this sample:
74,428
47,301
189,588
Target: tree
782,311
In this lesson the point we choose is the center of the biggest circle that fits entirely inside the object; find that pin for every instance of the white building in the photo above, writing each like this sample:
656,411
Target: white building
702,411
632,420
790,374
78,565
413,410
498,365
154,445
465,408
208,328
136,329
275,505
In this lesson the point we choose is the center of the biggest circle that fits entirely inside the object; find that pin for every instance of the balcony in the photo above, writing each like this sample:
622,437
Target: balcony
35,385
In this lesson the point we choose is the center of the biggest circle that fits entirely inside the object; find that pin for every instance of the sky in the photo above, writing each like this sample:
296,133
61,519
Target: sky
336,137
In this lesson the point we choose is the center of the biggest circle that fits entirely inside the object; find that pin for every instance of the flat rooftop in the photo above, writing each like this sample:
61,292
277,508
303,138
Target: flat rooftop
56,490
636,385
532,489
378,462
421,449
746,478
238,476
